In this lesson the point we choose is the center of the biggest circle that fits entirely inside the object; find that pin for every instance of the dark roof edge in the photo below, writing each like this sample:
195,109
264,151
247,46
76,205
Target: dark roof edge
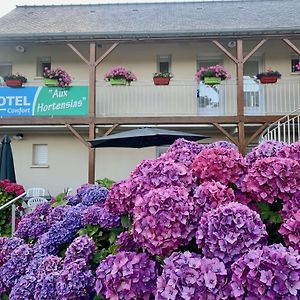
145,36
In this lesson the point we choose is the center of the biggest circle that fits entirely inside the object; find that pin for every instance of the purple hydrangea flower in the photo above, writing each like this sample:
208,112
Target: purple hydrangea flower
222,144
268,273
57,214
163,172
94,194
210,195
7,246
225,165
183,151
35,223
272,178
75,281
291,151
47,277
121,197
16,266
126,275
161,220
24,288
99,215
126,242
291,206
187,276
82,247
290,230
263,150
229,231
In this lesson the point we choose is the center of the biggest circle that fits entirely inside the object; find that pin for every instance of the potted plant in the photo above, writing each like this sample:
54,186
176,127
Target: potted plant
212,75
119,76
15,80
162,78
269,76
56,77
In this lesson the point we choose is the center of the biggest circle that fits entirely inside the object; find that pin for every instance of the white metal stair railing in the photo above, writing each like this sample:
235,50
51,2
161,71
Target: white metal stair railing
13,211
286,129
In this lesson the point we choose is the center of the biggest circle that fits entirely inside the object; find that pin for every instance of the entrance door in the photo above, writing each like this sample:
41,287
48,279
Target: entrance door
253,96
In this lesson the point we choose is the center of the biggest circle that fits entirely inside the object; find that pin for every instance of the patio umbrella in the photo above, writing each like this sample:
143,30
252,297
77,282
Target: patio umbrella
143,137
7,169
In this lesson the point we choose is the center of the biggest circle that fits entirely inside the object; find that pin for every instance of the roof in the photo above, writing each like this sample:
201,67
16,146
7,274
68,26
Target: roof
152,20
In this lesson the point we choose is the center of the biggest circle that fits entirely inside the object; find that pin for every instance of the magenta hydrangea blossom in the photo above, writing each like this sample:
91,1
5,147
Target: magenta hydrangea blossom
82,247
188,276
272,178
290,230
268,273
291,206
162,220
264,149
291,151
121,197
126,275
225,165
229,231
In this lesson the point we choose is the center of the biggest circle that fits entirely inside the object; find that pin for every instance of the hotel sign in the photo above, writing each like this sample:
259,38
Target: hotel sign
43,101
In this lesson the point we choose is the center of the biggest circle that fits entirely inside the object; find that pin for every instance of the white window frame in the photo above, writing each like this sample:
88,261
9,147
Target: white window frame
39,65
40,157
164,59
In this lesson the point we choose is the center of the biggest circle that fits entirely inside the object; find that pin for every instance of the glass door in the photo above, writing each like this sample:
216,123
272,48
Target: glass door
253,96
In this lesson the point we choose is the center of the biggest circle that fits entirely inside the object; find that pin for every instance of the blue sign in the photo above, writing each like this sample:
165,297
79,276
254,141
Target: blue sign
17,101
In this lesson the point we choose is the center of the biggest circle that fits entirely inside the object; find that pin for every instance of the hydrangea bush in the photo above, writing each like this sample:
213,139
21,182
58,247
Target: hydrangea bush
192,224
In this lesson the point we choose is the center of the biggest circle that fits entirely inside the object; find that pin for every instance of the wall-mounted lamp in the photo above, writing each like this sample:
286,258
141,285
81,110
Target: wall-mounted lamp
18,136
20,49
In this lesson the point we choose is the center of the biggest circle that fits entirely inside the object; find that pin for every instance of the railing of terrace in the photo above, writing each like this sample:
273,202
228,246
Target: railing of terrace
286,129
143,98
13,210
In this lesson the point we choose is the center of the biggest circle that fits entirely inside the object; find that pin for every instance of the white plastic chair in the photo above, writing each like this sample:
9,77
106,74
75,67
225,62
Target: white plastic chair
35,201
35,192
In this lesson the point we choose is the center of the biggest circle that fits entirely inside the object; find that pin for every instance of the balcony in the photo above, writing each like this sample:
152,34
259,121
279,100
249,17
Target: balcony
180,98
186,98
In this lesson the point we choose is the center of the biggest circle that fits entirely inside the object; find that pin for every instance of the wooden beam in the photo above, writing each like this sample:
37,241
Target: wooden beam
229,136
103,56
220,46
254,50
78,53
242,140
291,45
92,156
111,129
78,136
256,133
240,78
92,81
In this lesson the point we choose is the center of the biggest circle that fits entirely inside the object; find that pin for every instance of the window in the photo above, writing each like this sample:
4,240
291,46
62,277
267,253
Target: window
294,62
5,69
164,63
204,63
40,155
42,63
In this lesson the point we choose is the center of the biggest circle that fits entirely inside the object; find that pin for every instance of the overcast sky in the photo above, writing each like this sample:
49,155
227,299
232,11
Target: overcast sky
8,5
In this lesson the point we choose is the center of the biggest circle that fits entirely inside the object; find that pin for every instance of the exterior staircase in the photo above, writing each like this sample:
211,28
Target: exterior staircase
286,129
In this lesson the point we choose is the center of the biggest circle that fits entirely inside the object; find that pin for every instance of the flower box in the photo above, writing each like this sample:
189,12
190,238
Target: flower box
50,82
268,79
119,81
161,80
13,83
212,80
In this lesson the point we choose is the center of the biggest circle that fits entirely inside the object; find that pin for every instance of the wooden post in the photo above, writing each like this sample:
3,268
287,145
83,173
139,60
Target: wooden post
92,110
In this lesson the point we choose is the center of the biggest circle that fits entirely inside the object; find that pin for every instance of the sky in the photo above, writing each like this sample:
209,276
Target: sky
7,6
